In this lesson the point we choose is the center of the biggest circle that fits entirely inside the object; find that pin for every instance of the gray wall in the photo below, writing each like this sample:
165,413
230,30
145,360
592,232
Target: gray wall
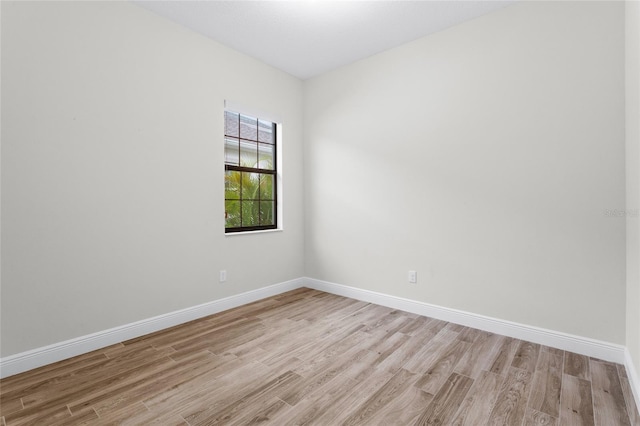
633,178
485,157
112,179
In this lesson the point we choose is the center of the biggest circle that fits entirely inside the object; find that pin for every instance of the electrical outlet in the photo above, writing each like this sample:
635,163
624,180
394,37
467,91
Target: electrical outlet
413,277
223,276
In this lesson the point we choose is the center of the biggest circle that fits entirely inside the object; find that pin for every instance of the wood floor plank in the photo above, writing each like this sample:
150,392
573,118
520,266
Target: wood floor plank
339,314
52,402
632,409
437,374
219,339
371,314
49,414
192,387
103,372
226,345
405,409
381,398
139,416
455,327
504,358
576,402
391,322
322,360
192,330
295,295
131,414
608,400
286,364
325,373
288,309
577,365
313,358
436,325
379,352
319,346
428,355
481,355
365,366
87,417
396,325
138,391
526,357
414,325
480,400
10,405
547,383
511,404
18,385
145,375
342,407
214,395
470,335
211,391
233,411
313,406
285,344
536,418
446,402
406,351
387,344
261,414
554,351
309,344
249,310
181,337
322,310
286,327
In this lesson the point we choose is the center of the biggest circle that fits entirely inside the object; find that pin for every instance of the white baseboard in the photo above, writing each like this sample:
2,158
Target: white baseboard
25,361
582,345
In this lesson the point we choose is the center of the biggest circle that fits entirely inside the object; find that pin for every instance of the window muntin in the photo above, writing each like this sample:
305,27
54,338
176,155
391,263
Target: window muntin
250,173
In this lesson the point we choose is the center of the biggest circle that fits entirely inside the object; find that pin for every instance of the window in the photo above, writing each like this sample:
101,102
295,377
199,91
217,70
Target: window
250,164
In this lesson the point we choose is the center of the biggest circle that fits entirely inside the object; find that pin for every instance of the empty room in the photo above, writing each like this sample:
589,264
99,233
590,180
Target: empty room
320,212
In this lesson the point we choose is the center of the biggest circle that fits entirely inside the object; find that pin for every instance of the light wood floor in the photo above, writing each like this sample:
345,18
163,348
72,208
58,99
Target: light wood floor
307,357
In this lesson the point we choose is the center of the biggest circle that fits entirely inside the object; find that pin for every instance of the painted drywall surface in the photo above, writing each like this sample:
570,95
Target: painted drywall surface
489,158
632,74
112,170
0,176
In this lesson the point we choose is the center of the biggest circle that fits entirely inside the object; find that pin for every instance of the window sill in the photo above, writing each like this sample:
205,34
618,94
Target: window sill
265,231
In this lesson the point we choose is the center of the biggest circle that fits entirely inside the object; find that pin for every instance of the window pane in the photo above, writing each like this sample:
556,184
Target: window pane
248,128
232,213
266,187
250,194
232,185
248,154
250,185
231,123
266,212
250,213
265,156
265,131
232,151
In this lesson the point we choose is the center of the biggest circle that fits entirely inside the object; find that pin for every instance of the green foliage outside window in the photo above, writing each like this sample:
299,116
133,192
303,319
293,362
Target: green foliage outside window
249,199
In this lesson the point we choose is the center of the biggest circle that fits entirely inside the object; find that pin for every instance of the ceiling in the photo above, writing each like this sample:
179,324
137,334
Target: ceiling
309,37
